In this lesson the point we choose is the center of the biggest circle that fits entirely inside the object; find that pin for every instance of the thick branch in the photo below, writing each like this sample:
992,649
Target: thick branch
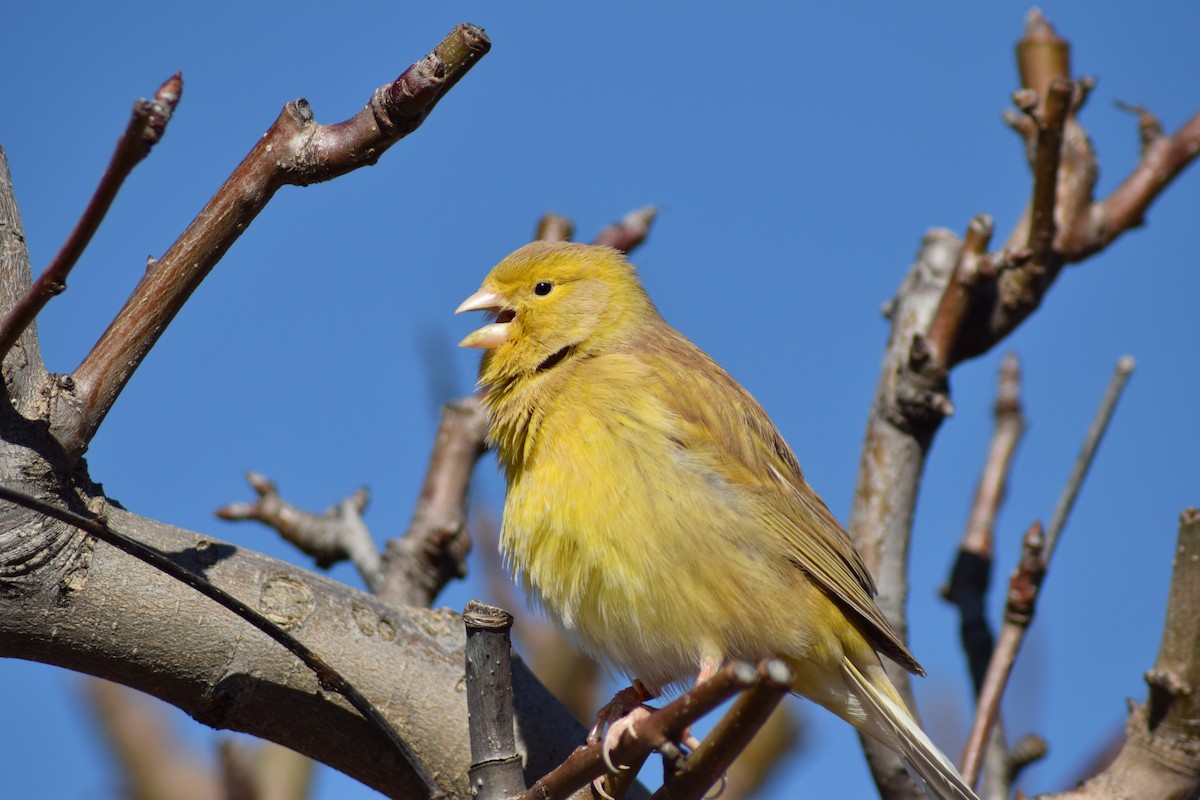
145,128
295,150
409,662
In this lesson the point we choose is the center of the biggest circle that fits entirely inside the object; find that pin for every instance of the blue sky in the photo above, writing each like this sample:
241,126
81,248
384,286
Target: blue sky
798,153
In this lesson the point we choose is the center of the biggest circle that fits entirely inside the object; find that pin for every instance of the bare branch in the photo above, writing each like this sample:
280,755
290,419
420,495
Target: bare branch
1083,462
703,769
327,676
433,551
145,128
152,761
971,574
952,310
331,537
295,150
1018,613
630,232
663,727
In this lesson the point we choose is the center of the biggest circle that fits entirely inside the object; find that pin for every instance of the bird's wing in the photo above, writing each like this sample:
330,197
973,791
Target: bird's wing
724,425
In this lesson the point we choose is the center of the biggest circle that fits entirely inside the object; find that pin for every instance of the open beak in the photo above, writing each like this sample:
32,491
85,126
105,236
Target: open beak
490,336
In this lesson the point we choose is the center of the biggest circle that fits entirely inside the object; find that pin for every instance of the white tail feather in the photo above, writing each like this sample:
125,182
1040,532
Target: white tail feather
897,729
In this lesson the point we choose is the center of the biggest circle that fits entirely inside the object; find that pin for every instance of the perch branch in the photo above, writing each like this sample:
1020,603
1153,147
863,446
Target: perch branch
146,127
663,727
295,150
704,768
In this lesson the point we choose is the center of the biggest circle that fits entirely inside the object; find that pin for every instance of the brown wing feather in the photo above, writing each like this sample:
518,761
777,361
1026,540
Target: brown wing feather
750,452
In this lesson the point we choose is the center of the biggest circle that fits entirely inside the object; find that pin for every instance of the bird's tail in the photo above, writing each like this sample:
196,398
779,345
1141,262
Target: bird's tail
891,722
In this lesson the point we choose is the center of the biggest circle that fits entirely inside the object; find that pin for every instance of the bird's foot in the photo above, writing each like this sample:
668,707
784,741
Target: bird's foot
619,715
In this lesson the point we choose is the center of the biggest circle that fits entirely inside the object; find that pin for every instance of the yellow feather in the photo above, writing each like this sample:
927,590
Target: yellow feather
654,510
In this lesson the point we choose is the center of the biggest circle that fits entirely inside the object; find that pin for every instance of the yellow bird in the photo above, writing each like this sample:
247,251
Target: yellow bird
657,514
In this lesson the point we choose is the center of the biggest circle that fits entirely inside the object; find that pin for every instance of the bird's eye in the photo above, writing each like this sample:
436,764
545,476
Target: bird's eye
543,288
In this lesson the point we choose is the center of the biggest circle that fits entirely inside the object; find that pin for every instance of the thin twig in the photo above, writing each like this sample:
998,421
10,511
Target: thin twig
971,574
630,232
295,150
1018,613
328,677
664,726
146,127
703,768
1083,462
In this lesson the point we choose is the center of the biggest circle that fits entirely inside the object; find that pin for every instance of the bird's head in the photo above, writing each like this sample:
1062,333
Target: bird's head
552,300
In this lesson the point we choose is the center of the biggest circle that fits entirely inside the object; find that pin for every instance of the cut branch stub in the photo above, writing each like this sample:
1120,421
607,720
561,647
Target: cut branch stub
295,150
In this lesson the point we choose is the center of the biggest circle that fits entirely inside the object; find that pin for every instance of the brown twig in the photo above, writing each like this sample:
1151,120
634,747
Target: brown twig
331,537
146,127
433,551
295,150
415,567
663,727
952,310
630,232
703,769
971,574
1087,452
1023,587
1018,613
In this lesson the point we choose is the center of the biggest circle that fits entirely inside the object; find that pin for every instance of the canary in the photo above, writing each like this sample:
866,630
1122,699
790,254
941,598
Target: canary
654,510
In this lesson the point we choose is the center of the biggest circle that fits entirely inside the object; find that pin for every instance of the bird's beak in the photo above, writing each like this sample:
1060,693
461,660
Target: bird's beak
489,336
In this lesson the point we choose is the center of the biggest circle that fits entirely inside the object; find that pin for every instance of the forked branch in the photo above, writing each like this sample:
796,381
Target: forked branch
295,150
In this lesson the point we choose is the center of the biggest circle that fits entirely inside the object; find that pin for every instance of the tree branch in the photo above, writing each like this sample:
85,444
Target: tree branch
336,535
227,675
268,623
145,128
663,727
295,150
